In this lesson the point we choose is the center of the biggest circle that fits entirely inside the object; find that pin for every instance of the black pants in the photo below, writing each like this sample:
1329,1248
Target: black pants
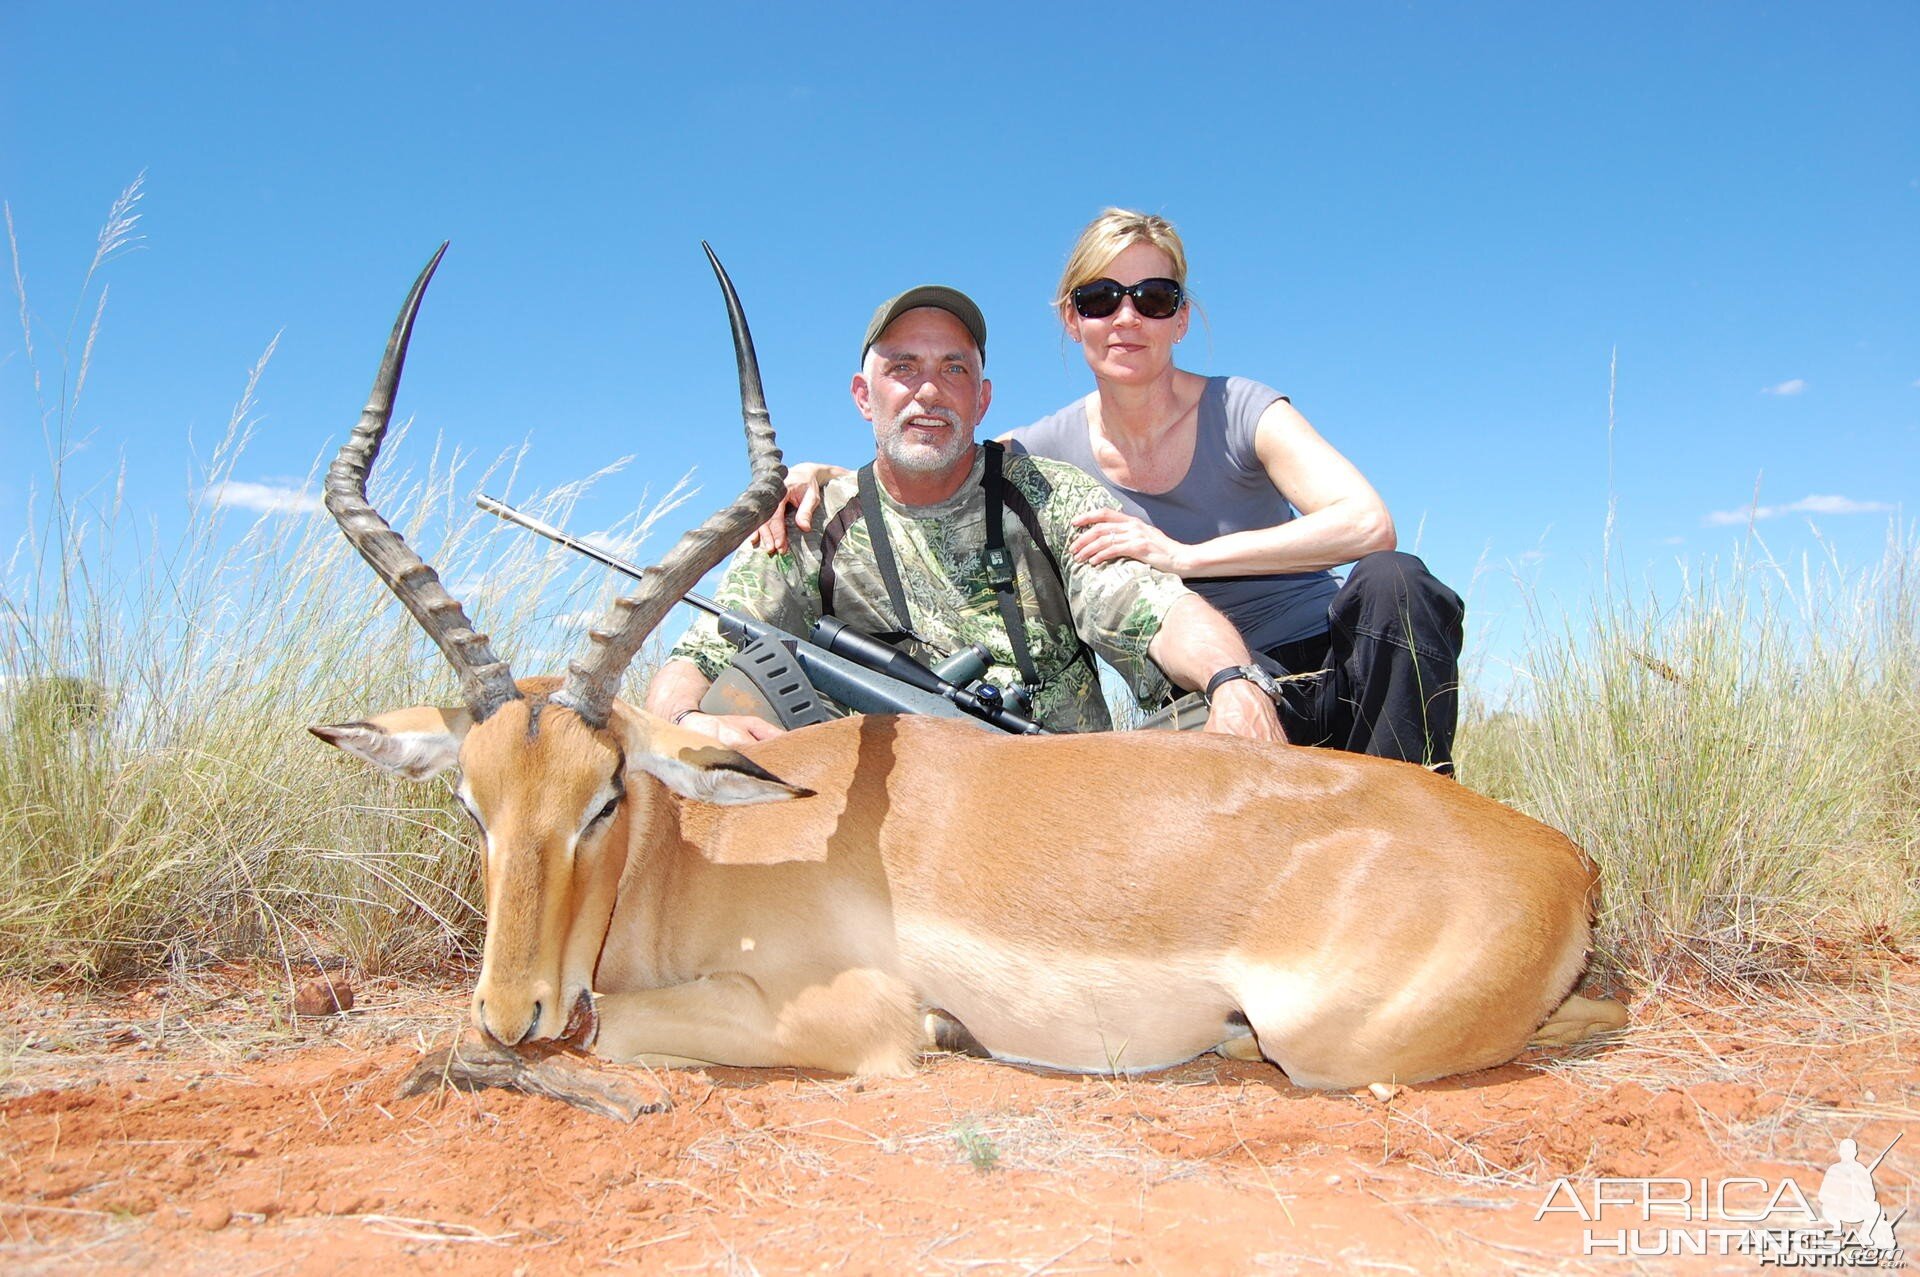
1391,662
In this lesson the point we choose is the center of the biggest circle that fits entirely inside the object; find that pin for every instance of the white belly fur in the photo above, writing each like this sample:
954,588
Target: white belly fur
1082,1013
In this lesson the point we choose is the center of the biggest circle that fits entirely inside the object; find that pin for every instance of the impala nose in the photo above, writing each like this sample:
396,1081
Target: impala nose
506,1033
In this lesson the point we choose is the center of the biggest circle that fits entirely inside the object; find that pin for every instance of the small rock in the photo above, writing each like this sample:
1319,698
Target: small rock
258,1201
211,1216
1333,1181
1383,1091
327,995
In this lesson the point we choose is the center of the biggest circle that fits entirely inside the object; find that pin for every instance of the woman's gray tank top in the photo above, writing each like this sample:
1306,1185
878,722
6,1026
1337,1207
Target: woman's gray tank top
1225,490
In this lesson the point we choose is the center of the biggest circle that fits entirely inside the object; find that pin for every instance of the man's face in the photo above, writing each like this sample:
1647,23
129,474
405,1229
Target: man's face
923,391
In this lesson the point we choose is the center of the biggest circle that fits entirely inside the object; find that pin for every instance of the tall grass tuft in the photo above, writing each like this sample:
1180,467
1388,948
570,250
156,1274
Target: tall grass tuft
1743,759
160,799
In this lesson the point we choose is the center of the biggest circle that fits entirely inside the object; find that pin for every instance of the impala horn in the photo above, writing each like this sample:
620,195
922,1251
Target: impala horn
485,680
594,681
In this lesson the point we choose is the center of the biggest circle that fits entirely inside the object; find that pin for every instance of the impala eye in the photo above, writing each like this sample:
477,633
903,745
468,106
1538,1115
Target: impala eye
606,812
472,815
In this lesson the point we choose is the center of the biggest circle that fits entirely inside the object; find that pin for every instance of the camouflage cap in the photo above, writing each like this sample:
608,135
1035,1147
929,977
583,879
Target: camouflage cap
940,297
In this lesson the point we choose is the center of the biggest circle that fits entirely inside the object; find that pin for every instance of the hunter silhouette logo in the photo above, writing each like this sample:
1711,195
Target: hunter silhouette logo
1774,1221
1849,1204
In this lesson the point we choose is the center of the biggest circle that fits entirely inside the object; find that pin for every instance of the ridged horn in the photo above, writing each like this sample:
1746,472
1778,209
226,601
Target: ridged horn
594,680
485,681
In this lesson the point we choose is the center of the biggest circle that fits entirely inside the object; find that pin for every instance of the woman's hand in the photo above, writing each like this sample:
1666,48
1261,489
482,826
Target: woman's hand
805,482
1111,534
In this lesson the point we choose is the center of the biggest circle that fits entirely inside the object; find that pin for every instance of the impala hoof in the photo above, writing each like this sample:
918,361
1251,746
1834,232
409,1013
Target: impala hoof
583,1023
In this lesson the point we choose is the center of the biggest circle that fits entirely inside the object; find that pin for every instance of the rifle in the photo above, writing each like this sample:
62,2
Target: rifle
852,667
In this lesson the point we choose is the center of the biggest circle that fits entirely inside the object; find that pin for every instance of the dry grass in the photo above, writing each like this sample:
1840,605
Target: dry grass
1743,761
160,802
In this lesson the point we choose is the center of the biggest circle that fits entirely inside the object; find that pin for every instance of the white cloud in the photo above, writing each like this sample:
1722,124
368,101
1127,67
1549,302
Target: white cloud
265,497
1816,504
1794,386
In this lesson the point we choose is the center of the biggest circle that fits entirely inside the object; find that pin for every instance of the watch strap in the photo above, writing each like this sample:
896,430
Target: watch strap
1225,676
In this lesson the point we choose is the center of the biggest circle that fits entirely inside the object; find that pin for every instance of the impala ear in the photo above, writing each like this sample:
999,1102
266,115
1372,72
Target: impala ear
417,743
698,767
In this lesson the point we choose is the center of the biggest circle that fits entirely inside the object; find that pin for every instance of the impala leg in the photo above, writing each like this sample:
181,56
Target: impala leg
1578,1018
1241,1046
944,1033
859,1021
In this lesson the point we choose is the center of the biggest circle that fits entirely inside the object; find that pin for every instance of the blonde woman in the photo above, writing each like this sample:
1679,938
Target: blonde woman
1223,483
1220,481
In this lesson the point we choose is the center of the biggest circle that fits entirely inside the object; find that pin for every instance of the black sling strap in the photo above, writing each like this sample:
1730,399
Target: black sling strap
999,565
1015,500
830,546
830,538
867,507
873,512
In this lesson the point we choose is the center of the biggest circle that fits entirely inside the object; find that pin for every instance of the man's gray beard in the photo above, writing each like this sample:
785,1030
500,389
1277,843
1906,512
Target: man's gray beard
923,458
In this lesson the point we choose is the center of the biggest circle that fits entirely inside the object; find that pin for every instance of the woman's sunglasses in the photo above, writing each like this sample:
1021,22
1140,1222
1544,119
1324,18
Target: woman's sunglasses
1153,298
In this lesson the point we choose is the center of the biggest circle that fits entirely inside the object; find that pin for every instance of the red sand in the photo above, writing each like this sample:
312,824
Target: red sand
124,1149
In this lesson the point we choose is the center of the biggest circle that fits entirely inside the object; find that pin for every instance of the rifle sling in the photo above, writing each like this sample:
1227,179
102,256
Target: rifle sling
1000,497
999,565
873,512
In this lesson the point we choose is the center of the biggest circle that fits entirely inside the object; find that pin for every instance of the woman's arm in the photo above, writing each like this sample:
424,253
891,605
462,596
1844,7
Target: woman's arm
805,482
1341,517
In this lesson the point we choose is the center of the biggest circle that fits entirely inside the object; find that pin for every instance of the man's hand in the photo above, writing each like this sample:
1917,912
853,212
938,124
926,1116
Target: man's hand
1111,534
805,482
675,694
1241,709
1194,642
732,730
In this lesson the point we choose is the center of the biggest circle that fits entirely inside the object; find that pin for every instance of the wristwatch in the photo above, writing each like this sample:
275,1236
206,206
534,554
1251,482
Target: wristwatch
1252,673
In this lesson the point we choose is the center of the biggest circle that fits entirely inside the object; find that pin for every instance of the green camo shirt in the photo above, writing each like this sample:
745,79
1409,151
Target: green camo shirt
1116,608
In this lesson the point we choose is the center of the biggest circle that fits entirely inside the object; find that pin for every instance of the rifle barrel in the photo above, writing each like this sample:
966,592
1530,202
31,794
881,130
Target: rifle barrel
853,663
603,557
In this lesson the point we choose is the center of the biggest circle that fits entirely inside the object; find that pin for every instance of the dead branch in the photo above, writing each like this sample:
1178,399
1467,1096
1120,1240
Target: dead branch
563,1073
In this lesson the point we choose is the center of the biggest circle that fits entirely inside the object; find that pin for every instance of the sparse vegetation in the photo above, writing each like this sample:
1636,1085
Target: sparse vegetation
1742,760
981,1152
160,798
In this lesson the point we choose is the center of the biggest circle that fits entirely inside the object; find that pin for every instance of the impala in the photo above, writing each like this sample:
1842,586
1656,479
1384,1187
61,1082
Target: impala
831,898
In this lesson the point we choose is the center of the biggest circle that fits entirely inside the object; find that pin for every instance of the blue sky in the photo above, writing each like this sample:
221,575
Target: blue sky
1431,224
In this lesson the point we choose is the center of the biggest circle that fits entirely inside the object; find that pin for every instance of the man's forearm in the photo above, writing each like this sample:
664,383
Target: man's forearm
1195,642
676,689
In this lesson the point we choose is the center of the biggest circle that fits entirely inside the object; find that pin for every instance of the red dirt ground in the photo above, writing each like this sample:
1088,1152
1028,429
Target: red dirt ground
195,1127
